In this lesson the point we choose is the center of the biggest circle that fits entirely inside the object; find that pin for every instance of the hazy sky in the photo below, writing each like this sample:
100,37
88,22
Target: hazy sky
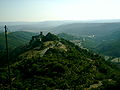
42,10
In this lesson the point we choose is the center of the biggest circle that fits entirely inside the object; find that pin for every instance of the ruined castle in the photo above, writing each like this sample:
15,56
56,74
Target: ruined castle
37,38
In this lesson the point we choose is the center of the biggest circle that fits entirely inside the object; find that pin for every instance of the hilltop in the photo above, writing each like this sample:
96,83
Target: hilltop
50,62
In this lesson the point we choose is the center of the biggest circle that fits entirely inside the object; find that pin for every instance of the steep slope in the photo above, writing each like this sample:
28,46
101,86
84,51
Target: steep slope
54,63
15,39
110,45
107,45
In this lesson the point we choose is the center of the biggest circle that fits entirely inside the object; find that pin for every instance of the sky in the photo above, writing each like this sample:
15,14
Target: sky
44,10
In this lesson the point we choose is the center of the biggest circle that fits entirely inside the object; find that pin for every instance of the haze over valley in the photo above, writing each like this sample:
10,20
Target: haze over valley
59,45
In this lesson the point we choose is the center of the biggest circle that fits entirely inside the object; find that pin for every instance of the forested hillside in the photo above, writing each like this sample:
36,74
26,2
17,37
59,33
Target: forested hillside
108,45
15,39
50,62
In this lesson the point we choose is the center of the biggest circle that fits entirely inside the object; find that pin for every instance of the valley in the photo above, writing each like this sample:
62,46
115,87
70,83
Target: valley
71,56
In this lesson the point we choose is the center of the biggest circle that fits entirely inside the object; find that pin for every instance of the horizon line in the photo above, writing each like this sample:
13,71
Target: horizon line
59,20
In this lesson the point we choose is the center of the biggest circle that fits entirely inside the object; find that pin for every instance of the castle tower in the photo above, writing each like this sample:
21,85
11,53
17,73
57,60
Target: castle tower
41,33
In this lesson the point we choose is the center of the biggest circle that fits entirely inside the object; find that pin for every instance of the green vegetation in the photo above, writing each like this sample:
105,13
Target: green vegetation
15,39
68,36
108,45
106,40
56,63
111,45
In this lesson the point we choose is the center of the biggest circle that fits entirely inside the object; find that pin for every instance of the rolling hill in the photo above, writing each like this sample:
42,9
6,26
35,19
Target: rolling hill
105,41
15,39
85,29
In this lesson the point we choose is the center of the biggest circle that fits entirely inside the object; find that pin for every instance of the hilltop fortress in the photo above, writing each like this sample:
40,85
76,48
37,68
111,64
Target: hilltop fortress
37,38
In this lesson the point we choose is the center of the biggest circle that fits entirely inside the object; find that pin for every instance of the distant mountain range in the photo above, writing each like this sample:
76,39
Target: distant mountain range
48,25
33,26
61,22
85,29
